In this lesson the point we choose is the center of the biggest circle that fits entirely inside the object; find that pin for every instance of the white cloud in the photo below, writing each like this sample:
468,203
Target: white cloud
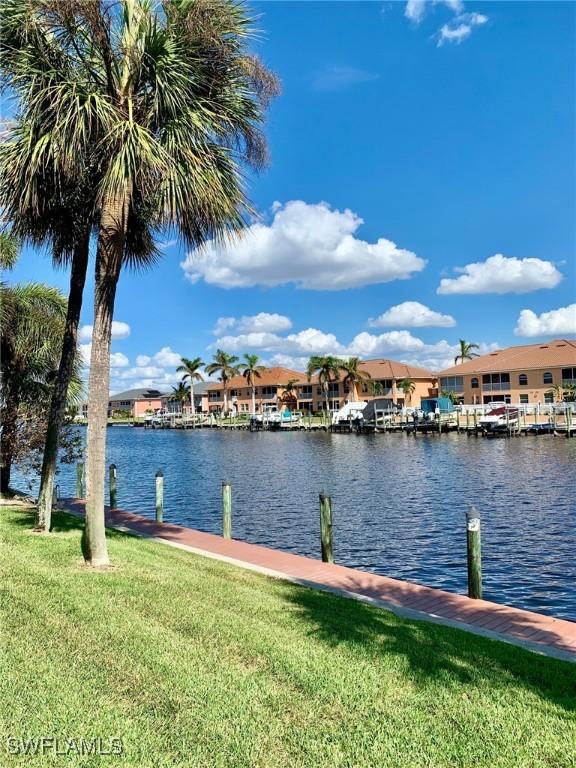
460,28
167,358
85,352
164,245
368,345
556,322
119,331
416,9
308,342
339,78
312,246
500,274
412,314
263,321
118,360
143,360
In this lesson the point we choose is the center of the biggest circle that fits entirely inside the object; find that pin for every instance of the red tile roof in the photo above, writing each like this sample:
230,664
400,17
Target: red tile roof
549,354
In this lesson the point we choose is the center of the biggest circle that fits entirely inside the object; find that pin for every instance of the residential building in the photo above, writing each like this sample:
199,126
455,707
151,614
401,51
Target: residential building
135,402
388,373
270,389
524,374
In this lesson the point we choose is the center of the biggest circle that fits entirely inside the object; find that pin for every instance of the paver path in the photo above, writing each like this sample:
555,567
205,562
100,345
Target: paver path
535,631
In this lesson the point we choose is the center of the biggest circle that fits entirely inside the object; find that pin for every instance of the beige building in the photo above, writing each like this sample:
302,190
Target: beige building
524,374
287,388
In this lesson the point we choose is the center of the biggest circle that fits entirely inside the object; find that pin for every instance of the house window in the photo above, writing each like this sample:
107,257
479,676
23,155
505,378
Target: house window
568,376
452,383
268,391
523,380
548,397
548,379
474,383
306,390
495,382
523,399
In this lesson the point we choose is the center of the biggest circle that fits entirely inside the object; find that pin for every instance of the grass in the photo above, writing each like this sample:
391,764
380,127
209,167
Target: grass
193,662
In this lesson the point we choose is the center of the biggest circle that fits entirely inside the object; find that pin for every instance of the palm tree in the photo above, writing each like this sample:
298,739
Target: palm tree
466,352
375,388
226,366
181,393
252,370
191,371
289,393
30,349
167,103
353,376
557,391
327,368
407,386
569,395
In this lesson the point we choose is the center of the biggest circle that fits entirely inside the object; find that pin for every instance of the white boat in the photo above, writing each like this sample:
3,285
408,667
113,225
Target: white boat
350,412
499,418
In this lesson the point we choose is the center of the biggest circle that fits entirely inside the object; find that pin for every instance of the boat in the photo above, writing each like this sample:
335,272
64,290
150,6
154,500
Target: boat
351,412
499,419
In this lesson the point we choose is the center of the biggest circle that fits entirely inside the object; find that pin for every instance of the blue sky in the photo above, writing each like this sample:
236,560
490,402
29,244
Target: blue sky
410,141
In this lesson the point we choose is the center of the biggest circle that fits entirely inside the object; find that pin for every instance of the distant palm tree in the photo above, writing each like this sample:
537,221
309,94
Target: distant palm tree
407,386
353,376
226,365
450,395
289,393
466,352
327,368
569,393
181,393
252,370
190,369
375,388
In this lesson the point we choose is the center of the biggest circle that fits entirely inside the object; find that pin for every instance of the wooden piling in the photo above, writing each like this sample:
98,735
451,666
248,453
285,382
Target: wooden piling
112,483
159,496
474,551
80,481
226,510
54,495
326,528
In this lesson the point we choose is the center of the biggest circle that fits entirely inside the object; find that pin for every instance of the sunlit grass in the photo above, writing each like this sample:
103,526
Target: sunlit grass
192,662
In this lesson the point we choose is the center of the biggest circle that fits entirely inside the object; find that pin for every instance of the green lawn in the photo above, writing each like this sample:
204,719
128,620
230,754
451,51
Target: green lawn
192,662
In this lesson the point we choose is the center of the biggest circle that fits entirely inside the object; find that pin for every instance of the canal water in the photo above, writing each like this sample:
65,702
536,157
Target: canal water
399,503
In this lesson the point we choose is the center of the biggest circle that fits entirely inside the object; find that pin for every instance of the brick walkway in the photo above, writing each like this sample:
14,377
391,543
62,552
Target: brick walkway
535,631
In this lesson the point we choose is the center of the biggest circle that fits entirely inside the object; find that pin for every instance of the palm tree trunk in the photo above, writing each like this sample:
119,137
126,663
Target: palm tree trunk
112,237
225,390
60,393
253,400
192,403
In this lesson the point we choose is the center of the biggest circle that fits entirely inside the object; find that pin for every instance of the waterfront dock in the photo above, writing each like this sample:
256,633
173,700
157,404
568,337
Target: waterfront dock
533,631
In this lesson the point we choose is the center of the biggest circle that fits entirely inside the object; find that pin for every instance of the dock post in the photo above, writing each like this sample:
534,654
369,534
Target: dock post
80,484
159,496
55,495
113,492
226,510
326,528
474,552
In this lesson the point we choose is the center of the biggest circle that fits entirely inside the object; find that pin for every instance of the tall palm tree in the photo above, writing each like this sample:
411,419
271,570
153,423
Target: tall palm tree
191,370
226,366
289,394
466,352
353,375
167,102
181,393
407,387
327,368
251,370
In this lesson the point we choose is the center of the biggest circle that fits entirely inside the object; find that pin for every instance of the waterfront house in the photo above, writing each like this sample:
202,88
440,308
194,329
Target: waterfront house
135,403
524,374
388,373
270,391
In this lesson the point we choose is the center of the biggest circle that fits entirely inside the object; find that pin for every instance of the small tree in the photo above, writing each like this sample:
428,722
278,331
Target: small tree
226,366
466,352
252,370
191,370
327,368
407,387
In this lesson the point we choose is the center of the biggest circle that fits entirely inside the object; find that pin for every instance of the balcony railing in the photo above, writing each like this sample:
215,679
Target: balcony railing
568,382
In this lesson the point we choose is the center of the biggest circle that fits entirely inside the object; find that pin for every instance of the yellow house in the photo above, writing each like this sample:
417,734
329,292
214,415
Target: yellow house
524,374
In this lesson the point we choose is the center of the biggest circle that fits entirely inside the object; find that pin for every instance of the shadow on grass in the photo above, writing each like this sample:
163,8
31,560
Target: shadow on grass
433,652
